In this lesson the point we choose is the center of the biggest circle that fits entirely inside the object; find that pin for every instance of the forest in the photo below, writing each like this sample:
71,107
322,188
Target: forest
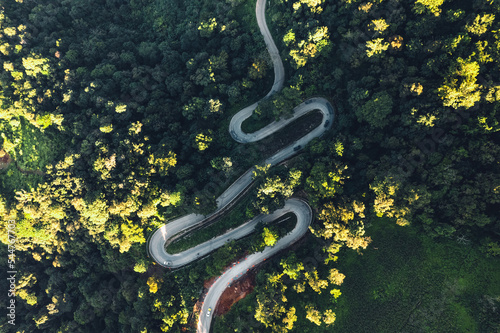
114,120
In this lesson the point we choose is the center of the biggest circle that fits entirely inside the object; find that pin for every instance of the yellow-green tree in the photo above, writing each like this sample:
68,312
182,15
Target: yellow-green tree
315,282
460,88
432,6
376,47
329,317
379,25
313,315
153,284
480,24
203,140
336,277
163,162
270,237
343,224
292,266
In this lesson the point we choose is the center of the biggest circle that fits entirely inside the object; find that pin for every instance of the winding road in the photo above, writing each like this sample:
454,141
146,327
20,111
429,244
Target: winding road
301,209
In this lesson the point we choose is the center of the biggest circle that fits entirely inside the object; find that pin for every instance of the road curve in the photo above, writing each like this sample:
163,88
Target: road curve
156,244
304,216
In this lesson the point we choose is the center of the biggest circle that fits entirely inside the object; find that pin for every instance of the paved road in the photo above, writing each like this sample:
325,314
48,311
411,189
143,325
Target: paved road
304,217
300,208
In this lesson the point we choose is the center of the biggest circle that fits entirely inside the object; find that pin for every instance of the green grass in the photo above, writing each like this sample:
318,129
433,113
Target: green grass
406,282
32,149
37,148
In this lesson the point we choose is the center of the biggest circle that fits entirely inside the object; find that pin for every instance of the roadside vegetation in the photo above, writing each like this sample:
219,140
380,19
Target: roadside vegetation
232,220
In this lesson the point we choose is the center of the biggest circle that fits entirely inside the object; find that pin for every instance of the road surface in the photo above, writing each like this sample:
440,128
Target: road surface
301,209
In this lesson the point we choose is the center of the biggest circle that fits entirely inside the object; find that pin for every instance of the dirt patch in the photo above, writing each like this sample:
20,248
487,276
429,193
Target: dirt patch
237,291
208,283
5,159
30,172
234,293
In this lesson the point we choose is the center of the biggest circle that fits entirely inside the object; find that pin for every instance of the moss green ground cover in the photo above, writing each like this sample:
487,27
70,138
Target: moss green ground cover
31,149
406,282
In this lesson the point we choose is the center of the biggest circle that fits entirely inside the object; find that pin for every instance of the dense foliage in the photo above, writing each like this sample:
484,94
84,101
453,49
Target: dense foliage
114,119
110,115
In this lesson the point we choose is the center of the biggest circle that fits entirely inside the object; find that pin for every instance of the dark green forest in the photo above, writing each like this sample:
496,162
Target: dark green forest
114,120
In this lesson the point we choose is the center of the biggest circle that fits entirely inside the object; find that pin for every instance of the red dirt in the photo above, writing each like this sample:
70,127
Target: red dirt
208,283
5,159
237,291
234,293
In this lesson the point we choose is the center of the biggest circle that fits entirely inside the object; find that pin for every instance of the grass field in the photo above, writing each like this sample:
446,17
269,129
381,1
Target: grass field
32,150
406,282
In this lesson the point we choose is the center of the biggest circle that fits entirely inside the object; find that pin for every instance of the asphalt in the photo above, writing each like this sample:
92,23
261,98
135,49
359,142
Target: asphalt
300,208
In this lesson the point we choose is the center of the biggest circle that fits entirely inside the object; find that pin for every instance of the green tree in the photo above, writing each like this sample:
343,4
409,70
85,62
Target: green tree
376,111
325,181
292,266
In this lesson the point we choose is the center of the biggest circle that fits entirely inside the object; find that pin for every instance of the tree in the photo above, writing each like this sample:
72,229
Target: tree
213,107
153,283
432,6
317,42
35,65
194,108
313,315
260,171
271,310
376,110
290,318
460,88
272,194
258,70
207,28
285,101
270,237
325,181
162,162
480,24
376,47
343,224
291,266
379,25
315,282
202,141
130,234
329,317
336,277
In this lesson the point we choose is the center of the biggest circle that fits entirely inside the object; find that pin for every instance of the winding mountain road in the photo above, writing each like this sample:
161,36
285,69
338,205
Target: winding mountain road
301,209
